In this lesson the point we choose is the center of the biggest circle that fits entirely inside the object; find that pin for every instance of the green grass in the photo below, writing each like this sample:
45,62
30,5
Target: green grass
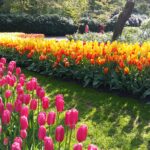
114,122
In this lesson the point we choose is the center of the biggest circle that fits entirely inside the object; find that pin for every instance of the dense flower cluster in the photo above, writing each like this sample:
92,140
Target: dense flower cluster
26,121
99,64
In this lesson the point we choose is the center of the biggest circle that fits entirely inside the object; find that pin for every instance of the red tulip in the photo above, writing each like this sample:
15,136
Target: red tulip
48,144
6,116
33,104
59,133
78,146
15,146
23,134
82,133
23,122
45,102
24,111
18,140
41,132
92,147
51,118
8,93
42,118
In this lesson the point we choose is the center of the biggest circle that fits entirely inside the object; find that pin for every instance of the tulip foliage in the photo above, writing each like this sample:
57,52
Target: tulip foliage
26,120
121,67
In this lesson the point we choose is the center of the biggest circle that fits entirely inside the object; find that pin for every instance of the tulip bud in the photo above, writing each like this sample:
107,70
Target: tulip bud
6,116
1,108
41,132
15,146
8,93
23,122
33,104
18,140
59,103
24,111
51,118
82,133
23,134
9,106
59,133
18,105
42,118
92,147
48,144
78,146
45,102
26,99
18,70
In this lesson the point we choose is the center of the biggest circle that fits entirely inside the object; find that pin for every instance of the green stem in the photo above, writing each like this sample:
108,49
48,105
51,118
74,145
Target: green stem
66,138
70,140
59,146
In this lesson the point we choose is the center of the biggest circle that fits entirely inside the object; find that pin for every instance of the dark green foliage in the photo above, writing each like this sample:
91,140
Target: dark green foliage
46,24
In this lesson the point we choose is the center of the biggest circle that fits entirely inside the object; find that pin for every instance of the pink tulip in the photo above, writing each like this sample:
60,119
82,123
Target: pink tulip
18,105
78,146
71,118
45,102
82,133
21,81
59,103
59,133
18,70
41,132
42,118
41,93
1,108
92,147
51,118
6,116
23,122
27,99
33,104
23,134
3,60
8,93
15,146
9,106
24,111
48,144
18,140
5,141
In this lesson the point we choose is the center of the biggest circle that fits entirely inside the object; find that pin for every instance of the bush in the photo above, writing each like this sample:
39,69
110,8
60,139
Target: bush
145,24
46,24
134,21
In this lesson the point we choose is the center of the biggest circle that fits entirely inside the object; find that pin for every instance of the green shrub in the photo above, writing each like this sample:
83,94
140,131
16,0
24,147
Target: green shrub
145,24
46,24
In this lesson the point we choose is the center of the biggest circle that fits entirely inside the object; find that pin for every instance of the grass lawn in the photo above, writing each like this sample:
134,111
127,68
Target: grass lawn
114,122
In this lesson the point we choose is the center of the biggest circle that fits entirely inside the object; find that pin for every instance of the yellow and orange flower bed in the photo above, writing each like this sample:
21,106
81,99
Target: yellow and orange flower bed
120,66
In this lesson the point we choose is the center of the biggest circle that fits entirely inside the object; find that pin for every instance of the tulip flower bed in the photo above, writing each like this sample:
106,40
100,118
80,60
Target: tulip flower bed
114,66
26,121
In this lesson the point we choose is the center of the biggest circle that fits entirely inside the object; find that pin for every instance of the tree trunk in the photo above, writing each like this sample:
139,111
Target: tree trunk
123,17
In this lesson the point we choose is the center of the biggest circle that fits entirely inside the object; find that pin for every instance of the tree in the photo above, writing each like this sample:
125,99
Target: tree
123,17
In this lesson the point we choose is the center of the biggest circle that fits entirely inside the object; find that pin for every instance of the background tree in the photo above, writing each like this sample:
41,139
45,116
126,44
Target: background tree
123,17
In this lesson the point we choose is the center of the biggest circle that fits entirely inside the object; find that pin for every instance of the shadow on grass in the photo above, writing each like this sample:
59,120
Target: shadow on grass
116,122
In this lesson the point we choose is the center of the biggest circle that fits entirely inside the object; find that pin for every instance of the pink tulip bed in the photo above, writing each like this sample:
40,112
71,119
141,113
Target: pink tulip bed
27,121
